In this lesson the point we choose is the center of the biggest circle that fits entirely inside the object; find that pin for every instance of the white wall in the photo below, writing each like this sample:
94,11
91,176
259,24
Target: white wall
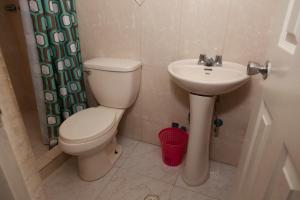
159,32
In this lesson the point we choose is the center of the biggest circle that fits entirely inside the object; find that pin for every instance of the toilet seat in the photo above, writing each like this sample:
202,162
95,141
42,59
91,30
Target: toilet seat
87,125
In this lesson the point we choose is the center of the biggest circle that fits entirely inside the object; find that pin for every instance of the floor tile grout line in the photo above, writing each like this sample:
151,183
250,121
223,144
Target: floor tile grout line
129,156
108,181
179,186
172,185
170,193
125,157
141,175
121,167
177,177
157,179
135,146
56,170
129,139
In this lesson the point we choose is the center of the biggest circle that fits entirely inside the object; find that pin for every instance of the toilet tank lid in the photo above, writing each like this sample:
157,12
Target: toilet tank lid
112,64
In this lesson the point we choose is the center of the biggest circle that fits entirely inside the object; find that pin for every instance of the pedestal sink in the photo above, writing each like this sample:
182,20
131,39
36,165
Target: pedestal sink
204,84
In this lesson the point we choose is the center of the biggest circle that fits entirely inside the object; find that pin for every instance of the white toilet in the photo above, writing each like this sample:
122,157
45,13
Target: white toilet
91,134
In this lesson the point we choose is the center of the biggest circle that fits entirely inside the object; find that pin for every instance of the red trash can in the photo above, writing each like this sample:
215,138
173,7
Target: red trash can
173,144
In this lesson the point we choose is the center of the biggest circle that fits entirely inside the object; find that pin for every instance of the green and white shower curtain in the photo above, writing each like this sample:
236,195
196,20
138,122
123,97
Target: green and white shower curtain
56,34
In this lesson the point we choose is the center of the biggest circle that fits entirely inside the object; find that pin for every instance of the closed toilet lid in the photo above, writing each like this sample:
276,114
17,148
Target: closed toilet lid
87,124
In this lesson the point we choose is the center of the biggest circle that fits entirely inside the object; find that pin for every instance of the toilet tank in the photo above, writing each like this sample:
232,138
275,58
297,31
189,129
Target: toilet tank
114,82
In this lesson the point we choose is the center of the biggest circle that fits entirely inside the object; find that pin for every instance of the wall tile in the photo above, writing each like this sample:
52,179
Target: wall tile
161,107
156,79
112,31
226,151
131,123
131,126
160,32
151,130
248,30
162,100
203,27
235,108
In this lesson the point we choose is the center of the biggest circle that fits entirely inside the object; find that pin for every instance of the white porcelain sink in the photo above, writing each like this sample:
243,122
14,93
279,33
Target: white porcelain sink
209,81
203,83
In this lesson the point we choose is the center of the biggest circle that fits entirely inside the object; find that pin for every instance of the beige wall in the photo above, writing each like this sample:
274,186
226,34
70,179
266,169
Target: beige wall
12,41
5,191
16,157
159,32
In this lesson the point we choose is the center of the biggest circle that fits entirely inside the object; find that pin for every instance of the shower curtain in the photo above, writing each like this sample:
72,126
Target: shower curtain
57,41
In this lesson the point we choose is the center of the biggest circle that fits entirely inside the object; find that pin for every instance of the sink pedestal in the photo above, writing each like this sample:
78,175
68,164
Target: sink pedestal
196,169
198,79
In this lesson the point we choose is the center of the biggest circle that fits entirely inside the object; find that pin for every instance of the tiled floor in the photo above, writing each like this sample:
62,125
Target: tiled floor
137,173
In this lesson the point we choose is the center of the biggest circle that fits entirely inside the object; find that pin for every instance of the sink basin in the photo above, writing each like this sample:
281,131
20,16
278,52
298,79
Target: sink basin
211,81
203,83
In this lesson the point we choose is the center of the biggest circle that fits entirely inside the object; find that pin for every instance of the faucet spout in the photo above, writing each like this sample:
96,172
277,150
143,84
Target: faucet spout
209,60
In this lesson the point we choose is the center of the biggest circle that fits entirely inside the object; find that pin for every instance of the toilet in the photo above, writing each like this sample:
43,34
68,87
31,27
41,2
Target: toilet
91,133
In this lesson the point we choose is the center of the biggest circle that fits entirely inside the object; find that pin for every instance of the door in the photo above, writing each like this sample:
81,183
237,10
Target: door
270,163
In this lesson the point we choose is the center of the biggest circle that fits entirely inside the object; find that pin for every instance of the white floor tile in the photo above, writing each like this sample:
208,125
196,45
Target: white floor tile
65,184
146,160
218,185
183,194
127,185
128,146
141,173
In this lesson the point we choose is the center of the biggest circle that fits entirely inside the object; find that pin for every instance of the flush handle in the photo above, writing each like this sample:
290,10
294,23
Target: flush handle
10,7
254,68
88,72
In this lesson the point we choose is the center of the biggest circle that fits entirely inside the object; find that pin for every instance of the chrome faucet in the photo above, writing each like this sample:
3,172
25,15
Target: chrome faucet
210,61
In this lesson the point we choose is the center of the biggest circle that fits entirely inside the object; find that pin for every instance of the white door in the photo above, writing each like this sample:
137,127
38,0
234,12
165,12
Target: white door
270,163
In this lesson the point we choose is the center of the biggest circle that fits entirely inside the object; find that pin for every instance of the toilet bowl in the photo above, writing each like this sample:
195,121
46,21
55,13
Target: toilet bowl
91,134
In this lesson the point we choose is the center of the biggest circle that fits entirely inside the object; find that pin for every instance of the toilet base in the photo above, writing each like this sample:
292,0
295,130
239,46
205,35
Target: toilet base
96,164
